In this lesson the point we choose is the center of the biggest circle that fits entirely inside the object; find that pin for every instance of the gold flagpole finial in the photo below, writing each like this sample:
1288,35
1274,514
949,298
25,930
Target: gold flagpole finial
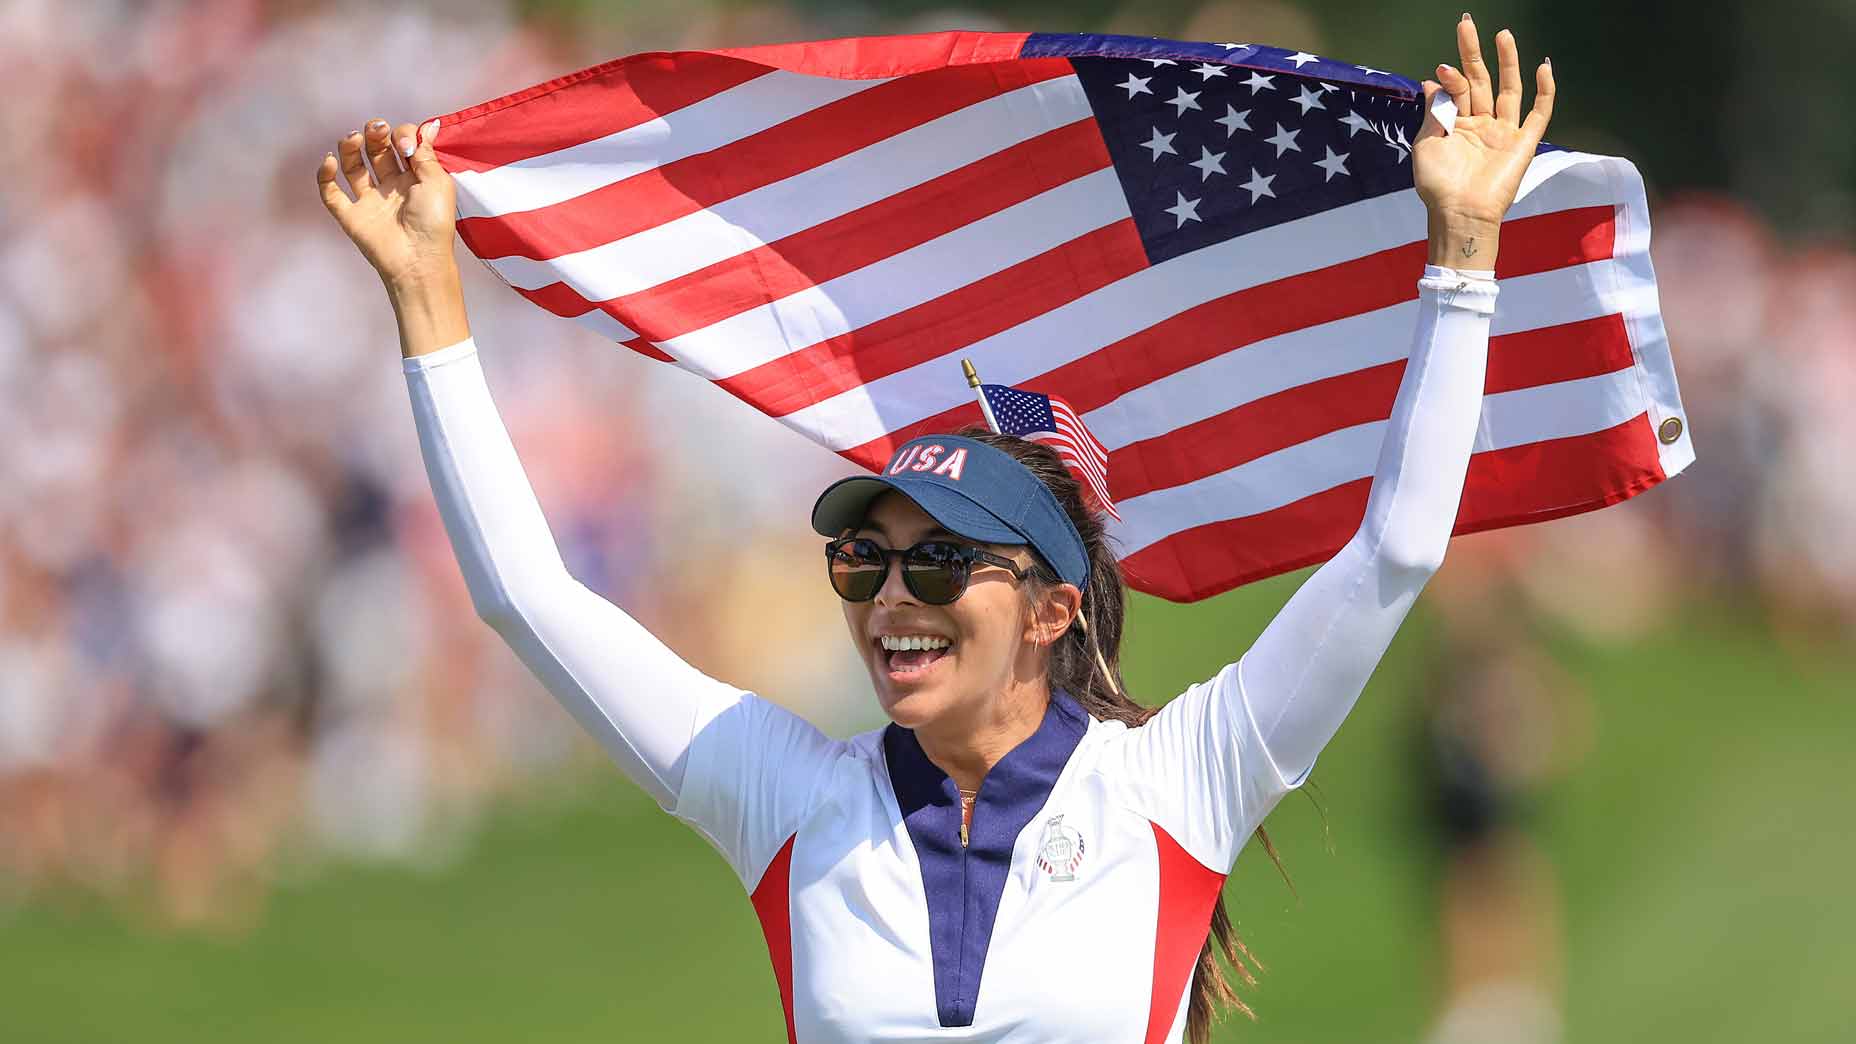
973,381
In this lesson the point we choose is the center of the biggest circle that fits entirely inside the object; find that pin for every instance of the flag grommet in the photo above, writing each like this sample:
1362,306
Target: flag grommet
1669,430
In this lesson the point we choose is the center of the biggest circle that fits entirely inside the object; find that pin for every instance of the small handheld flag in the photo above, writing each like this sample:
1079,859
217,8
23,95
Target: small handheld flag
1048,419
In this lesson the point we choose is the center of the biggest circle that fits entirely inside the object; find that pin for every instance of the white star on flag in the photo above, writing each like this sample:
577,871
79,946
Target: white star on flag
1207,70
1233,120
1370,71
1259,82
1232,46
1184,100
1333,164
1356,121
1161,143
1185,210
1136,85
1284,140
1158,62
1259,185
1301,58
1309,100
1209,163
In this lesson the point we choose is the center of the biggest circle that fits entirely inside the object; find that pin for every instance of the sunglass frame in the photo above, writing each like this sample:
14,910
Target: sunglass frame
960,563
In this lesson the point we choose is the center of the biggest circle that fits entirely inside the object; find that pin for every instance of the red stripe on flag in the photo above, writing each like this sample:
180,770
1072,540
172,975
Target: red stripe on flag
1552,479
874,57
612,97
928,331
648,350
1531,483
1545,242
866,235
1375,281
1565,352
1519,360
1253,430
560,299
685,186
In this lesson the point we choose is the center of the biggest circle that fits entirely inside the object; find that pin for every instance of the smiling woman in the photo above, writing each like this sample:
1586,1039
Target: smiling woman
915,881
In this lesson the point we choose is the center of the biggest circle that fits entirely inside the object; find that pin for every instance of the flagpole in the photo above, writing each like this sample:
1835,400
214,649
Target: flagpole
1082,620
973,381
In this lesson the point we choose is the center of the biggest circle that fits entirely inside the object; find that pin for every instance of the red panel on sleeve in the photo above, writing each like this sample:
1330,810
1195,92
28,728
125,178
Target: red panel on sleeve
773,901
1187,891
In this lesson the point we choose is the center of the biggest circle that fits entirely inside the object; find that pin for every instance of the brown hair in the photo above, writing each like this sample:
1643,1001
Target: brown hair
1086,662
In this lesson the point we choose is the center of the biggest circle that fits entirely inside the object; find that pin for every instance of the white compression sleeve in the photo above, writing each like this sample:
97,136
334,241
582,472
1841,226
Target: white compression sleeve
1307,669
637,697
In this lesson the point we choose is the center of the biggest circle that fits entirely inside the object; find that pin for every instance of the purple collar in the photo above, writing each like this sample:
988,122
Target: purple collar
963,884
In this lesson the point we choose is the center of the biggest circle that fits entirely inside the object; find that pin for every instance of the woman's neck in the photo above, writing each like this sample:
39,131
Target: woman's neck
967,750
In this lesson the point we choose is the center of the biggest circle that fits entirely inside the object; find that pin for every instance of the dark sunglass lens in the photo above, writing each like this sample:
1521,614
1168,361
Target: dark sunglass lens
936,572
857,568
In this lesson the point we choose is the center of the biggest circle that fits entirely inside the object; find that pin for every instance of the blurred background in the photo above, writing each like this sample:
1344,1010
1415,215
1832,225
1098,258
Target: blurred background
264,776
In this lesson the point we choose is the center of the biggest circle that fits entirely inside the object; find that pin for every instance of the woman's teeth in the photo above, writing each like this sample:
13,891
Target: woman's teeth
897,643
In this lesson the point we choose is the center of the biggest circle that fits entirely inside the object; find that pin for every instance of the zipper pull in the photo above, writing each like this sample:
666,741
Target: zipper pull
967,798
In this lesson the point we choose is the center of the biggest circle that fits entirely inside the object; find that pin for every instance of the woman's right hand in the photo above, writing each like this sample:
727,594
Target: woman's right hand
402,221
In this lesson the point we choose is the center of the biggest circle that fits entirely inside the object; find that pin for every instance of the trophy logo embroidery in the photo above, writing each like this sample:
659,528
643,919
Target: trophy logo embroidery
1061,850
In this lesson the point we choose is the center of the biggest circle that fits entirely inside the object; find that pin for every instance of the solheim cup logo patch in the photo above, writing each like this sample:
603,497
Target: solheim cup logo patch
1061,850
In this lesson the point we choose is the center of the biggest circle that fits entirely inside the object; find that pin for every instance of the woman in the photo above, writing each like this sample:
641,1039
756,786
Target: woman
1022,854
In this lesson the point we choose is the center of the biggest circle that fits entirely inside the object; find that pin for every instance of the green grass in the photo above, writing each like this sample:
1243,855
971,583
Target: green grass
1704,849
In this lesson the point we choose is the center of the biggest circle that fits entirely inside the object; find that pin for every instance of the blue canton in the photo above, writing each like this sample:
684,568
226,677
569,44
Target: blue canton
1211,141
1019,412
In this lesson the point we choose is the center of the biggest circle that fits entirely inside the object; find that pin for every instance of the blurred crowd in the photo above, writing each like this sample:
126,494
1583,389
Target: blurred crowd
229,620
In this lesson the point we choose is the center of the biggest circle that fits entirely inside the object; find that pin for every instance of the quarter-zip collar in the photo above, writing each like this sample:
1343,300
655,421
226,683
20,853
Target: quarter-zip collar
963,884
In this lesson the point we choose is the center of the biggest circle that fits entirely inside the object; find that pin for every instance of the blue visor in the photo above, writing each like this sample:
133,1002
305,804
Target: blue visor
973,490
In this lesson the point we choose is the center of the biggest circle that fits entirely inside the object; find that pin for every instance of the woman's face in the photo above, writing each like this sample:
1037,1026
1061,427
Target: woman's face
987,626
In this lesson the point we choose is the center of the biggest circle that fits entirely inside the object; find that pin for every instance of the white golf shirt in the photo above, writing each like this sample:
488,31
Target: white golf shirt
1078,906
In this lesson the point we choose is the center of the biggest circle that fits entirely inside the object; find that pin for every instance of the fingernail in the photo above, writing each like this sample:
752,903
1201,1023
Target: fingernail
406,147
1546,61
1465,16
376,124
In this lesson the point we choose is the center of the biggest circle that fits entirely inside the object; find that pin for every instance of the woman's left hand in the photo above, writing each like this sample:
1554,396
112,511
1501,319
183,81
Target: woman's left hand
1468,177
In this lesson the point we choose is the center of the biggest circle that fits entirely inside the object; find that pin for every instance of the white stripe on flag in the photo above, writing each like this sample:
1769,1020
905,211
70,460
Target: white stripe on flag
757,217
554,177
905,279
1516,418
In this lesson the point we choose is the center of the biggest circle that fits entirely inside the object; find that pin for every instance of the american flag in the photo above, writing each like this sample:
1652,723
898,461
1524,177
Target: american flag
1209,249
1042,418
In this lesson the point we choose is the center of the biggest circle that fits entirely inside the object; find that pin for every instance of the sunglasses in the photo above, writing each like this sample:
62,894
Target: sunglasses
934,571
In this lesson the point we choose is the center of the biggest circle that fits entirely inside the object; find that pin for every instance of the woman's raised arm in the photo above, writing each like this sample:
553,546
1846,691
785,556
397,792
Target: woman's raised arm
1209,766
737,768
1308,667
637,697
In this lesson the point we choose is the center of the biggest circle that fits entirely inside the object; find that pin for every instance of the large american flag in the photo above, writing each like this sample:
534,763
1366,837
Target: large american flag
1041,418
1210,249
